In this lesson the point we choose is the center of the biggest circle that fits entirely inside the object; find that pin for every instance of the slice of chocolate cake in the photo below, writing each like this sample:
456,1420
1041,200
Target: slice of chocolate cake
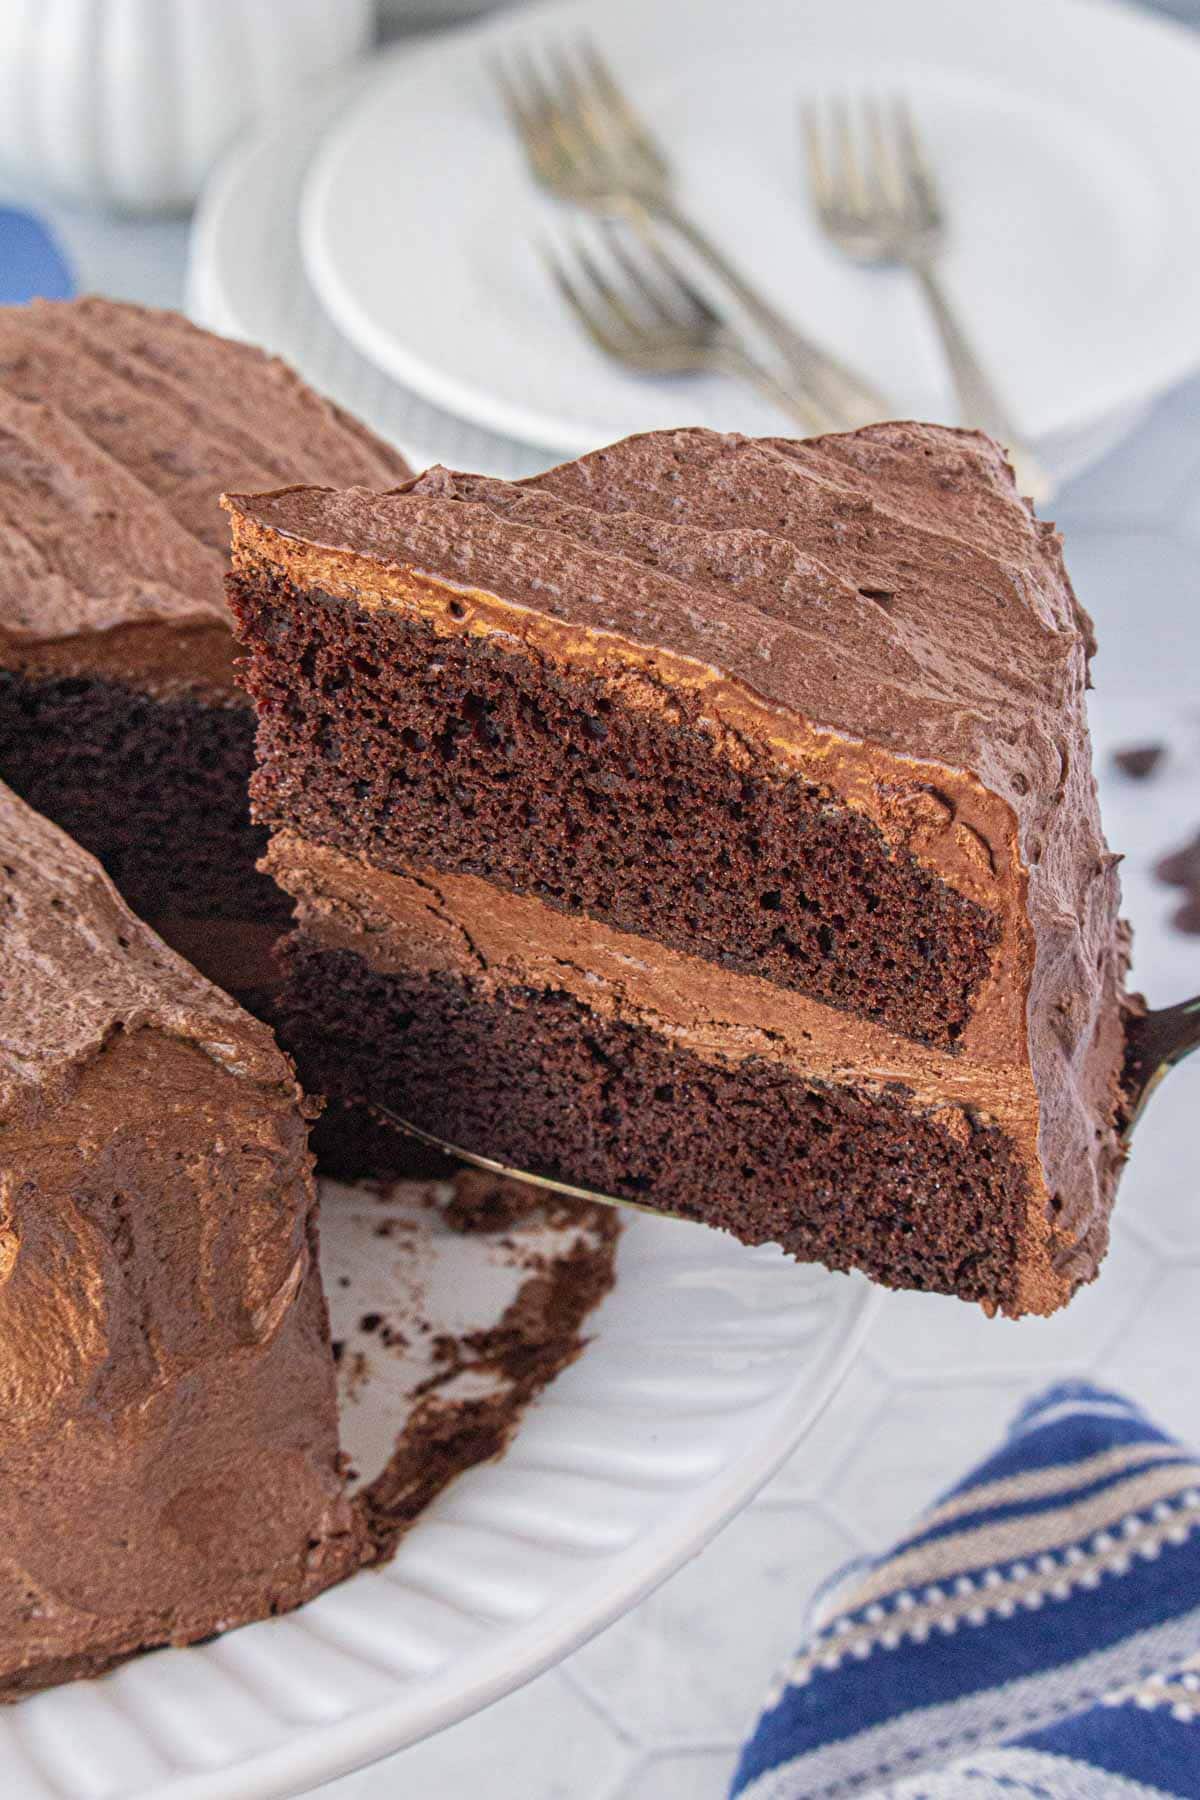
168,1436
119,715
708,822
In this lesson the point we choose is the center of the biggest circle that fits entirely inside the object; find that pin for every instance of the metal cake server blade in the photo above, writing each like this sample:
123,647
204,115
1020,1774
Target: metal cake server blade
493,1167
1156,1041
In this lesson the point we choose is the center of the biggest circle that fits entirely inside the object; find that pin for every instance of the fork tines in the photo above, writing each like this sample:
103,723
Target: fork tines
865,154
639,305
574,119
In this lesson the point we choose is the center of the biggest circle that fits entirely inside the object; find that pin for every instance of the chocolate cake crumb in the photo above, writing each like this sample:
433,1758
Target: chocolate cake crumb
172,759
358,1371
488,1203
1181,869
539,1334
1139,761
850,1170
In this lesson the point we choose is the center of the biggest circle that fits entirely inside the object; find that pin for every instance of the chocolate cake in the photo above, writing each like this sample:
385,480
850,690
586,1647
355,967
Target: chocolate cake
708,822
169,1461
119,714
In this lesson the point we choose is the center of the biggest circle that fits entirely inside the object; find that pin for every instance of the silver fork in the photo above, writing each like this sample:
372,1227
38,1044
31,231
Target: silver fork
876,197
643,311
586,143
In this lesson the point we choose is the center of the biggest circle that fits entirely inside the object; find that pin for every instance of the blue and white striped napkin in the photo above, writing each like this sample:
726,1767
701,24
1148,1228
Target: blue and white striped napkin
1037,1637
32,264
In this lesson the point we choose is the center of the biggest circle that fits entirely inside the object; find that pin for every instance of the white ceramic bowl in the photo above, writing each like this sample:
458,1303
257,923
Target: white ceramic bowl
127,103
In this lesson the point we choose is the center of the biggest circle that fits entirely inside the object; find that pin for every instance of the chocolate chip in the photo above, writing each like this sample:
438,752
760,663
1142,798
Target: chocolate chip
1139,761
1182,867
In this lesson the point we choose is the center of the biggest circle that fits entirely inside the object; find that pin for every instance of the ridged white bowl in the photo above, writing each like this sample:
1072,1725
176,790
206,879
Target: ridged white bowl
127,103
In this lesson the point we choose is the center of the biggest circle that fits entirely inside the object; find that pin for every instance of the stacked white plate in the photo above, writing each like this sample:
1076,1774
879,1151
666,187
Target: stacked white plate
387,237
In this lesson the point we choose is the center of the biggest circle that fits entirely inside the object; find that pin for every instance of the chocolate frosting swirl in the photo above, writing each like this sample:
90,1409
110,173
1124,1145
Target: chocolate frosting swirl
119,426
168,1439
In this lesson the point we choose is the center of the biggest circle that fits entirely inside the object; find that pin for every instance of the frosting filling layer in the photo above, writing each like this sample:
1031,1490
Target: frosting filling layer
380,735
464,925
388,973
535,1079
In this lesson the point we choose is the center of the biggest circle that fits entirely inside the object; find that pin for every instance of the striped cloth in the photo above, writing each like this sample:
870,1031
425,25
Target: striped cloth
31,262
1037,1637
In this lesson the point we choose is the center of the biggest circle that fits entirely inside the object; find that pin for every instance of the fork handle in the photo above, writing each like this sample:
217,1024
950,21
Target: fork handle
807,412
979,403
843,397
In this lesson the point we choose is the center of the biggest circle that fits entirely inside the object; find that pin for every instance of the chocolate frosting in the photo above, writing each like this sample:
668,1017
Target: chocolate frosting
168,1439
880,610
497,941
119,425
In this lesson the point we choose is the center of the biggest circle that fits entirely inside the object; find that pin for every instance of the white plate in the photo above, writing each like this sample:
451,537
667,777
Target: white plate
251,283
704,1368
1065,131
246,278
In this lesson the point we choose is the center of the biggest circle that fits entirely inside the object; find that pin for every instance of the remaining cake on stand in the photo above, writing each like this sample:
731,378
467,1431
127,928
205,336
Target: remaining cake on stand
119,714
169,1460
708,822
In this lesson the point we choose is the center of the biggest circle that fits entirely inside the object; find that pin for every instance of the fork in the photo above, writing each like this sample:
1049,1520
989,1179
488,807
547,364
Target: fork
585,143
645,313
876,197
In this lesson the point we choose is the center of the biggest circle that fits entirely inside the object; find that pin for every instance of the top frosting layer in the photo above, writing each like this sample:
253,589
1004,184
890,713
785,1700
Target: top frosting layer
119,427
79,969
889,584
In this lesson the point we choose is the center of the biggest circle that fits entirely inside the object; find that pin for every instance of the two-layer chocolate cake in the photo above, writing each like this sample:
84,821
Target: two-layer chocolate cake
119,714
169,1459
711,823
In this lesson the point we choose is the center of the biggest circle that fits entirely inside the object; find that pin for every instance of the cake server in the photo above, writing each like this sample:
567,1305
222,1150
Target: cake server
1155,1042
875,196
585,143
